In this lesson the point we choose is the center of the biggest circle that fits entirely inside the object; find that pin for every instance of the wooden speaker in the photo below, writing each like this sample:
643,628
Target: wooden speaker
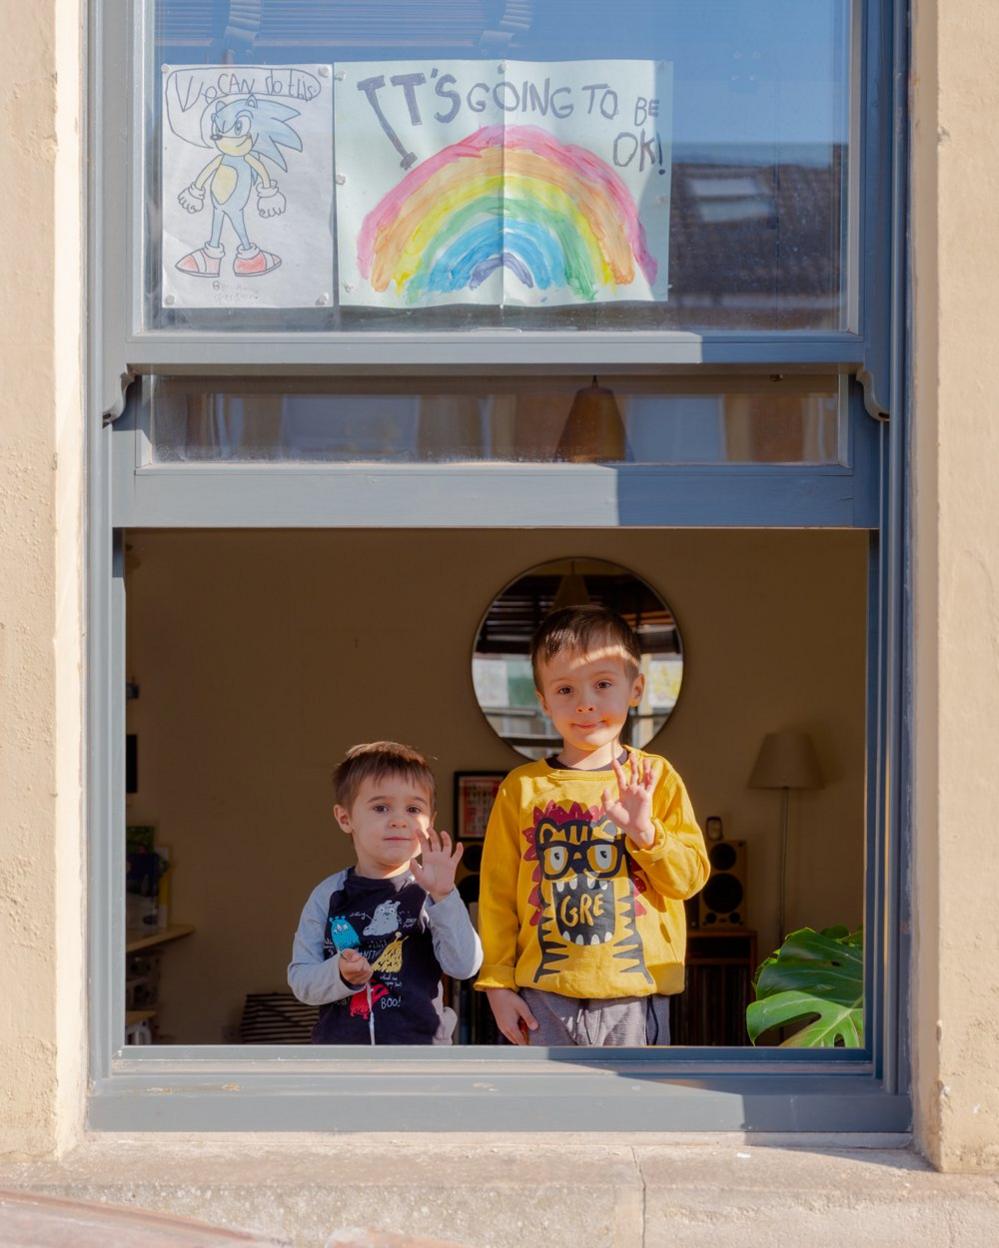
722,901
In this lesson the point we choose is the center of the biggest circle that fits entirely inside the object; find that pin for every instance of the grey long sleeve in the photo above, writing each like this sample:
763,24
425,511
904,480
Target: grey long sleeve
312,977
456,943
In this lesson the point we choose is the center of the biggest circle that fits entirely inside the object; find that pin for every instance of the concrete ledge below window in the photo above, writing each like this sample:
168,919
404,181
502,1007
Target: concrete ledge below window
558,1191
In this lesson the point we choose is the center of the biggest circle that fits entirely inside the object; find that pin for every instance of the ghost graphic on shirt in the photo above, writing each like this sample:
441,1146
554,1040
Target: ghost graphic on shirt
343,935
384,920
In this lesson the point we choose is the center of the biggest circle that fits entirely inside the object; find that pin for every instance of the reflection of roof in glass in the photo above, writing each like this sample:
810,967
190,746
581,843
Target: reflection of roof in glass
766,230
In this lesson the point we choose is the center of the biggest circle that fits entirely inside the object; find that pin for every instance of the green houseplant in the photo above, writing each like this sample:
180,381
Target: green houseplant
815,979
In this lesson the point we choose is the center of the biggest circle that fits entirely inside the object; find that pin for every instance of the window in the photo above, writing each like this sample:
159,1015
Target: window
786,421
684,166
744,352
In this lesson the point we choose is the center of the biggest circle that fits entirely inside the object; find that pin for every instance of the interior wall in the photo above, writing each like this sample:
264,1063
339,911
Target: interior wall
262,656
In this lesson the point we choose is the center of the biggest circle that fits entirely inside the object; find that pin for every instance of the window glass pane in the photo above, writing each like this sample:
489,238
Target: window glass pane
658,164
624,420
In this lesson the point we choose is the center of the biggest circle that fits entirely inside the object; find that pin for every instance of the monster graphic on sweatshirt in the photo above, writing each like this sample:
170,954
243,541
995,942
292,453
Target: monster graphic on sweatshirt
586,896
342,934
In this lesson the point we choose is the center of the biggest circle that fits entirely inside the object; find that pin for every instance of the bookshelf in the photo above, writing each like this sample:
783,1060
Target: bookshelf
721,962
146,940
143,951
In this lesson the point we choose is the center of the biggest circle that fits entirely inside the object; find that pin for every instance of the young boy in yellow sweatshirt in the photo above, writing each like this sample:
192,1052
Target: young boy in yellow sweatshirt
588,857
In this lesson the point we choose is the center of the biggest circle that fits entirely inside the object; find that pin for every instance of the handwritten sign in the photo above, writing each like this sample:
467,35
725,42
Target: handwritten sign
247,182
511,182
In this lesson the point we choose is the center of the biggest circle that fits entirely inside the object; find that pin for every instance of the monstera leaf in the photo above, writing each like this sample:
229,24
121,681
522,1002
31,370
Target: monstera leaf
814,978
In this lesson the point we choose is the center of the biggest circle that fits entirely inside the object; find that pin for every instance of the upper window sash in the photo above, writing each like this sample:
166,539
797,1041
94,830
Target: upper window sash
127,143
148,491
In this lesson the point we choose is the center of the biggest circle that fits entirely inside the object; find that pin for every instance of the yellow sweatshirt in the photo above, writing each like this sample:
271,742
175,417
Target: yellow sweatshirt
568,904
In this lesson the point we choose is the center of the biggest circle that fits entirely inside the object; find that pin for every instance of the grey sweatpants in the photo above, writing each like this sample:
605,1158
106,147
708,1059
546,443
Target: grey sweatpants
626,1022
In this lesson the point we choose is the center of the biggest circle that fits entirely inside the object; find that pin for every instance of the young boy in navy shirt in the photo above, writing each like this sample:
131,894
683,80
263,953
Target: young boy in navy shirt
374,940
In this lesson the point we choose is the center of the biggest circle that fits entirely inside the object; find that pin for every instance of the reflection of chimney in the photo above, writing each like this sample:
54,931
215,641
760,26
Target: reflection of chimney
509,19
594,430
240,29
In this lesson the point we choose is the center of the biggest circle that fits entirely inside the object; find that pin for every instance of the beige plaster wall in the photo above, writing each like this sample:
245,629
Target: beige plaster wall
262,656
956,280
41,429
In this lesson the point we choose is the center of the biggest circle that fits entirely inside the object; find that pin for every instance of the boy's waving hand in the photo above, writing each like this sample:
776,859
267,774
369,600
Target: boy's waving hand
632,810
437,864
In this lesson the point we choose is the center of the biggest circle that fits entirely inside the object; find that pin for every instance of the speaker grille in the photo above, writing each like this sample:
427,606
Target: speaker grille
722,902
722,856
723,893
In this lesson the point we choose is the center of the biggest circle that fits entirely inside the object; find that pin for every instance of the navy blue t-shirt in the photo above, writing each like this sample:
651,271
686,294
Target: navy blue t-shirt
383,919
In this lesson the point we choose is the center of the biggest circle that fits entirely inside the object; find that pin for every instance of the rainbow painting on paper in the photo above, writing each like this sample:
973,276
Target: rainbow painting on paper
517,183
552,214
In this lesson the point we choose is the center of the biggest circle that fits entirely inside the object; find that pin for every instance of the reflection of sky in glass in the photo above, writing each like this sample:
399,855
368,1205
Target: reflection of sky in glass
671,431
747,72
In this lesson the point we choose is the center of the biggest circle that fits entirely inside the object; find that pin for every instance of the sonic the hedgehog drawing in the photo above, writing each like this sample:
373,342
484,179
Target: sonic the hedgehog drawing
247,132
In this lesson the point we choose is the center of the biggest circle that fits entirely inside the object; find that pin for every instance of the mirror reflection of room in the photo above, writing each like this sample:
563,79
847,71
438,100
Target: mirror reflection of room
501,667
255,660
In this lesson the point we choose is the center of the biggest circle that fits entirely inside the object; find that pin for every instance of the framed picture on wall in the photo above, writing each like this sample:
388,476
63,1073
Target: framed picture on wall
474,792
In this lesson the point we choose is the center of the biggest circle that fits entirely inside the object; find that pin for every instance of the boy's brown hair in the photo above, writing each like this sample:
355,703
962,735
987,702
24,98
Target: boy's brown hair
376,760
582,628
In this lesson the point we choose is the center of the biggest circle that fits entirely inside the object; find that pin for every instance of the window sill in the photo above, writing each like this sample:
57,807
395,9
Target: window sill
441,1094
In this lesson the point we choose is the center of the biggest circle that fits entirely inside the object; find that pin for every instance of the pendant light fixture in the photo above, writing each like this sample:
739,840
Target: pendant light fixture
594,431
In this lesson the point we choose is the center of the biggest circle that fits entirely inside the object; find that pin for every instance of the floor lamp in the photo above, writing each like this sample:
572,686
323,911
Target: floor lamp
786,761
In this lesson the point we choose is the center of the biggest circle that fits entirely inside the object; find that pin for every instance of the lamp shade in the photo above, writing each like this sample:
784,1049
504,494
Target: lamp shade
594,430
572,591
786,761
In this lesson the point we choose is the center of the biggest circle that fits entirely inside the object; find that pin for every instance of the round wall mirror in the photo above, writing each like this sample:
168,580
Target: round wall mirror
501,663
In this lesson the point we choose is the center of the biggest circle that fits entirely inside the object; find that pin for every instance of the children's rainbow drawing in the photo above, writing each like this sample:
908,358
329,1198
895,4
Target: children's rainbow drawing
552,214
